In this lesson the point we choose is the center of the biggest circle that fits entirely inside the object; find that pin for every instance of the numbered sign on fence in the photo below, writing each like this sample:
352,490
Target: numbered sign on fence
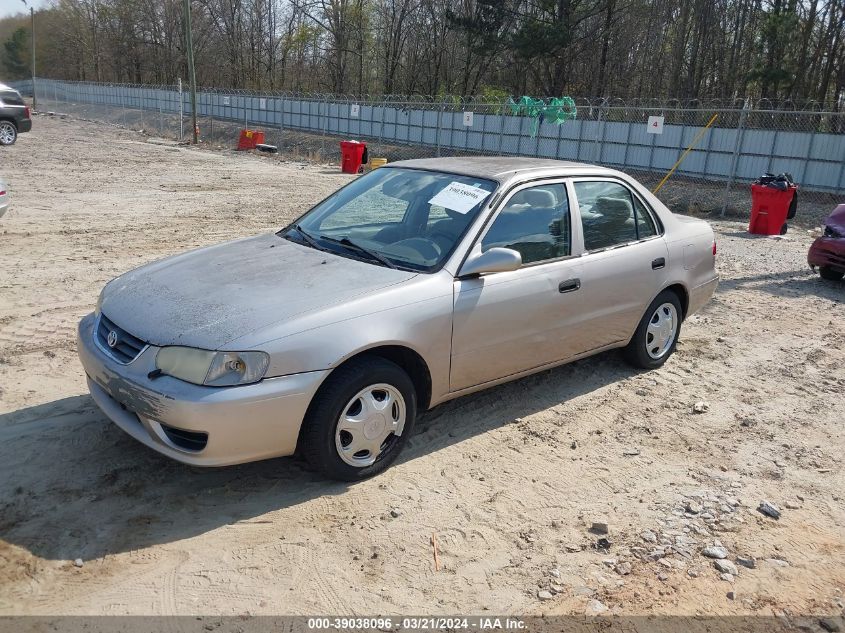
354,111
655,125
468,119
262,104
227,101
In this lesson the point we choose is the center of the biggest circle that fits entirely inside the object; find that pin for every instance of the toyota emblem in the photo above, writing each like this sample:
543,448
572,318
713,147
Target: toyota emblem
112,338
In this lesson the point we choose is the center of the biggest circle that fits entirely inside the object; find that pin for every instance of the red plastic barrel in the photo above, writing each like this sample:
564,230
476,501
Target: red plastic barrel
769,208
250,138
351,156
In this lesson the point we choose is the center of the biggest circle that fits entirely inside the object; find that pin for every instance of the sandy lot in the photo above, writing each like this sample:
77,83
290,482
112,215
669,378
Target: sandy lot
510,480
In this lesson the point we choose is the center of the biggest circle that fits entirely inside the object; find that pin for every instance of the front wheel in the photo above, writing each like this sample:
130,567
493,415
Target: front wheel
8,133
828,273
657,334
360,419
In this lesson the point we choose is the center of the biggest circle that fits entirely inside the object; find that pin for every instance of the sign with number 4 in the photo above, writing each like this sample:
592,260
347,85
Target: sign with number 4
655,125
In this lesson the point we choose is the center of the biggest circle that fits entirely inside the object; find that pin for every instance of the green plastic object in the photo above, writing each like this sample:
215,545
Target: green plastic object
557,110
561,110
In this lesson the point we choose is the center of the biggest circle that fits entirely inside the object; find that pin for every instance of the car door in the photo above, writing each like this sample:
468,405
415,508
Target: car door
624,259
508,322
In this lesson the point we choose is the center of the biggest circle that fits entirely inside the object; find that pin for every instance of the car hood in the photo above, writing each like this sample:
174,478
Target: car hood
208,297
836,220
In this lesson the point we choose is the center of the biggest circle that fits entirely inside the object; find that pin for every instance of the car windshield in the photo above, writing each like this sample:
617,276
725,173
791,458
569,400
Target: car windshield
393,216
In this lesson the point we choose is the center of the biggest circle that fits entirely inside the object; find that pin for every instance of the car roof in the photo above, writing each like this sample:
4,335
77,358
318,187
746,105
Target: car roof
504,168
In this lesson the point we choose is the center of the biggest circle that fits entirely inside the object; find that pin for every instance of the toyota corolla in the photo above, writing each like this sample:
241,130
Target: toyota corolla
412,285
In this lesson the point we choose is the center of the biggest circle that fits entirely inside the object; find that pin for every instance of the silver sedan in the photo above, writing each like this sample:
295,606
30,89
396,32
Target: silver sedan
414,284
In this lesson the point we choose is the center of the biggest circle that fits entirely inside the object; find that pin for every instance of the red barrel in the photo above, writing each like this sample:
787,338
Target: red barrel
351,156
250,138
769,209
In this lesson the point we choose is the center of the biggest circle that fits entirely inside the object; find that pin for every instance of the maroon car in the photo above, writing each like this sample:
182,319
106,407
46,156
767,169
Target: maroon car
828,251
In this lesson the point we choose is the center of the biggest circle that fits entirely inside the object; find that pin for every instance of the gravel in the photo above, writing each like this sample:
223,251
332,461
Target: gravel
725,566
769,509
715,551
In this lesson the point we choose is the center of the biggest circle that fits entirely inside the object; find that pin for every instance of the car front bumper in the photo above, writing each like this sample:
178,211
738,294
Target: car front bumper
201,426
827,251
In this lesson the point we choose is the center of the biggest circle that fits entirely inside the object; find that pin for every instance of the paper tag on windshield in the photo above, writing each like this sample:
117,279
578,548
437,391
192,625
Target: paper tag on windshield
459,197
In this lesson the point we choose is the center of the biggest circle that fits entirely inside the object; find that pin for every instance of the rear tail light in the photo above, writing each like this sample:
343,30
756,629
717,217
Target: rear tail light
714,248
26,112
2,193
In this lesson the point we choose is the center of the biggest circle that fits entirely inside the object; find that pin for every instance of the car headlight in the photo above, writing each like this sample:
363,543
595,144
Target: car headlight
829,231
214,369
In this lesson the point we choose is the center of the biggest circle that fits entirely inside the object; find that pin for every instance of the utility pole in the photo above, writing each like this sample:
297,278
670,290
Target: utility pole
32,41
192,77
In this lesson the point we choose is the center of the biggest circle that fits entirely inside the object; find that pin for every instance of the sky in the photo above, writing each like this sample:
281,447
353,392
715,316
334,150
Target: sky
10,7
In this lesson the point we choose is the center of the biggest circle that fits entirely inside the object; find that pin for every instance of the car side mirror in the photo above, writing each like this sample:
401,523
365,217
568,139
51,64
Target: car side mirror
496,260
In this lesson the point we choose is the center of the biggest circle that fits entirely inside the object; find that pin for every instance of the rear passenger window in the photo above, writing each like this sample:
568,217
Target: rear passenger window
645,223
11,98
535,222
611,215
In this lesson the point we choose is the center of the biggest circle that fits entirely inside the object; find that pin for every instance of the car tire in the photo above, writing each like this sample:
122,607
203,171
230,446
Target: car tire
8,133
656,336
828,273
331,429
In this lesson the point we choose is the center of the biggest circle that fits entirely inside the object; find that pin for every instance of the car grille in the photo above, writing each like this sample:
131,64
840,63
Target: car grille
126,347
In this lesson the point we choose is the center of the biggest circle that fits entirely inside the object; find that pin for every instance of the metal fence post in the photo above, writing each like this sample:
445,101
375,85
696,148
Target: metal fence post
439,127
324,124
502,126
597,148
735,158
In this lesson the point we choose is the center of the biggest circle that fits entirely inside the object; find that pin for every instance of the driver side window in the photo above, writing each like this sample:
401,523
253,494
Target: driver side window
534,222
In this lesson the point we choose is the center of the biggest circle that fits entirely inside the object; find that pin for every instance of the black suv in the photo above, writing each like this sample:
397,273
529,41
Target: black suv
14,115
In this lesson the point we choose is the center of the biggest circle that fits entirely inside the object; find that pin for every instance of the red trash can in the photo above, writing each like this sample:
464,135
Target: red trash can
352,156
249,139
769,209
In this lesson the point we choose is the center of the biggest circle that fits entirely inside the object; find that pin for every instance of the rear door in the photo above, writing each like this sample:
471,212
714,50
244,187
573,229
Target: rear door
624,259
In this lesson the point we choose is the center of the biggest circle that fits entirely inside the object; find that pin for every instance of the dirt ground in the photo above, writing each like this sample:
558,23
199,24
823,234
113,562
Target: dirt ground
510,480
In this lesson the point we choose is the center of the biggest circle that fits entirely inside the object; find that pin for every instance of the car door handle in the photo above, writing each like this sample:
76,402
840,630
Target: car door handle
570,285
660,262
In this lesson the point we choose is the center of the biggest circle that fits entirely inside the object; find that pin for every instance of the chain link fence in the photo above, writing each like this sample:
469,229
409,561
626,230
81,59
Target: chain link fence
642,137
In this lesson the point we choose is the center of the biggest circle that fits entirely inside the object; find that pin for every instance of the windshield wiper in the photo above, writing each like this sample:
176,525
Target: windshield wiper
310,240
345,241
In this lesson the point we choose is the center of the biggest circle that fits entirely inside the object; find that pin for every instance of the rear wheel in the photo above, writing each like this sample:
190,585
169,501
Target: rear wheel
828,273
360,419
657,334
8,133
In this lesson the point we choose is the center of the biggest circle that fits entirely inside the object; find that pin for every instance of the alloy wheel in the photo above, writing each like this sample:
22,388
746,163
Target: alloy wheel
8,133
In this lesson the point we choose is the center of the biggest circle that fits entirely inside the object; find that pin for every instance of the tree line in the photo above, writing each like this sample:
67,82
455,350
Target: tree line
688,49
